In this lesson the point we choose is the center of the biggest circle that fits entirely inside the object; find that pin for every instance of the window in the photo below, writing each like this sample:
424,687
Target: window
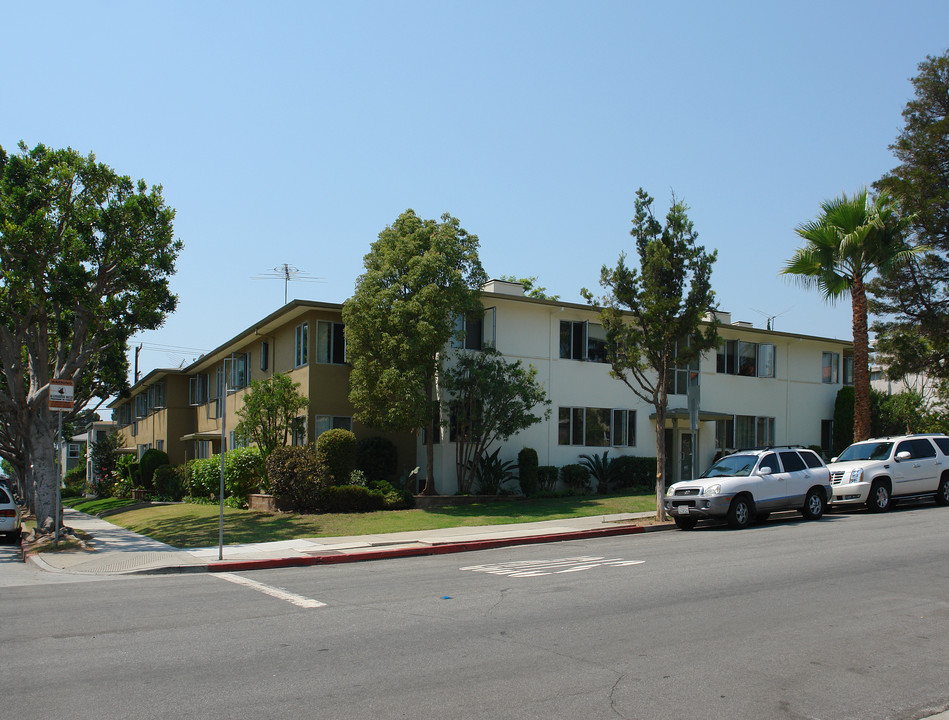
330,343
133,428
810,458
769,461
624,428
72,451
300,340
298,431
596,427
830,366
141,405
848,370
142,449
122,415
198,389
264,355
160,445
202,449
792,461
580,340
736,357
677,382
332,422
917,448
240,371
469,333
725,434
751,431
156,397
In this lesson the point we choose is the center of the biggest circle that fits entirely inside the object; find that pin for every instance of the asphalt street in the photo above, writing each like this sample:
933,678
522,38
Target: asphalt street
847,617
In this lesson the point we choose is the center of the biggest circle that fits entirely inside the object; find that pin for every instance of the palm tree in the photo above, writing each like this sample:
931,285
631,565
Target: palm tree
852,238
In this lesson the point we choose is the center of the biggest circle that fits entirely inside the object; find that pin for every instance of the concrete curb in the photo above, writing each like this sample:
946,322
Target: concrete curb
403,552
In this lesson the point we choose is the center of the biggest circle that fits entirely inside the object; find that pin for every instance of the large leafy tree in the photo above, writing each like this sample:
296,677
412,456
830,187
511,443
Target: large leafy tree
85,260
489,401
852,238
912,335
656,317
269,412
420,277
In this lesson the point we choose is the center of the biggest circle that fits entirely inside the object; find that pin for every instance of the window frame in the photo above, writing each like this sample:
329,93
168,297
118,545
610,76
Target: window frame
301,341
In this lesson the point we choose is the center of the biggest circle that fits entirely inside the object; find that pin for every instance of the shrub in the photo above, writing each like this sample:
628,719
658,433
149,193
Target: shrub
395,498
150,460
338,447
75,481
121,487
358,477
377,458
204,477
296,476
492,473
636,472
243,472
527,464
547,476
350,499
602,469
168,482
575,477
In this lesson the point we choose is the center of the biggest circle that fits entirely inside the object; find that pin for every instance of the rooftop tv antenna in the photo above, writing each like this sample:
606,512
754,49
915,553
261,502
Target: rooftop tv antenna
287,272
772,318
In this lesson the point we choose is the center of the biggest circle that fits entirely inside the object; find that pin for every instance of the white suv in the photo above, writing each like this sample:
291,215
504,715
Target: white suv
879,471
750,485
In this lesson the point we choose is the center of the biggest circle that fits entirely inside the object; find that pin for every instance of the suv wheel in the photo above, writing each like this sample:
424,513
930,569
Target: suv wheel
685,523
740,513
942,494
813,505
879,498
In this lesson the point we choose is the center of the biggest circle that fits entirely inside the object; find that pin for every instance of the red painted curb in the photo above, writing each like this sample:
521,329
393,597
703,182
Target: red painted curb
267,564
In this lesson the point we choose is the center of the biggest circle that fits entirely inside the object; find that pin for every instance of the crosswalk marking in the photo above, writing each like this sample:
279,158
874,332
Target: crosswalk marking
278,593
535,568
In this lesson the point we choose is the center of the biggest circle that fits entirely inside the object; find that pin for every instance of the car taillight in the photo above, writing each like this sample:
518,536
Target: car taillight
7,513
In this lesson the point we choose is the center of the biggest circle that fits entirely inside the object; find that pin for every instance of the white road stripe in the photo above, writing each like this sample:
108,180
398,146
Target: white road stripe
290,597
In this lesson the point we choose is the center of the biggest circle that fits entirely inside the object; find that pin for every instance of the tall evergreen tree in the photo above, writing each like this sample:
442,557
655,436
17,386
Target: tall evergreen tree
912,335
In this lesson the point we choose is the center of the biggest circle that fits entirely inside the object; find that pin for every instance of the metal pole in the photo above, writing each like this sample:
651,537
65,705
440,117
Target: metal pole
59,478
220,549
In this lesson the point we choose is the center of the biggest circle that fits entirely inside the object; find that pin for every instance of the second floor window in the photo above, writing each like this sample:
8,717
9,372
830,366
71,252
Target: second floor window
830,367
330,342
736,357
581,340
300,341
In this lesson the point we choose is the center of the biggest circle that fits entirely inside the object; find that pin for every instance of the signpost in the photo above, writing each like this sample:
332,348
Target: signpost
60,401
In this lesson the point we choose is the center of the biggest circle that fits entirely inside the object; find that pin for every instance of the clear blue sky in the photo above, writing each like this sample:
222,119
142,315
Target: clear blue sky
293,132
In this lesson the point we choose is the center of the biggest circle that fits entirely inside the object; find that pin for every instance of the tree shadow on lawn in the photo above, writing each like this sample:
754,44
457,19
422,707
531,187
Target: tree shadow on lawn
246,527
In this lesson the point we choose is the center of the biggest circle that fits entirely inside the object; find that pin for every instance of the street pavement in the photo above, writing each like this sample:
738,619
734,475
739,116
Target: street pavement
116,550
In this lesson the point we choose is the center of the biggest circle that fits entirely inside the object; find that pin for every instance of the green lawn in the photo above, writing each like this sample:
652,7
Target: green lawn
185,525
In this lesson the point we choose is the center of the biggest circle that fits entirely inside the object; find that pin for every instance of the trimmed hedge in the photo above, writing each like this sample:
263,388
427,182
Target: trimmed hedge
547,476
338,448
635,472
242,474
527,467
168,482
151,460
297,475
377,457
575,477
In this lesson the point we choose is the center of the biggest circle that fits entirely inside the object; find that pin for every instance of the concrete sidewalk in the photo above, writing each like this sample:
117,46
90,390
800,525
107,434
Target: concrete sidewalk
120,551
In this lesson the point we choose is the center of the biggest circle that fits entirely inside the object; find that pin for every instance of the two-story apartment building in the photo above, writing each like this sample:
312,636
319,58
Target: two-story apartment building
761,387
192,412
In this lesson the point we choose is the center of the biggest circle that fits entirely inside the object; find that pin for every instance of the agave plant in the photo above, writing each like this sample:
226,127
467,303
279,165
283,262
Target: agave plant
602,469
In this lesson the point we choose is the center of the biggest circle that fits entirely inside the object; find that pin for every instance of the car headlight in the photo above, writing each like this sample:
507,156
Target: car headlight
670,491
715,489
856,475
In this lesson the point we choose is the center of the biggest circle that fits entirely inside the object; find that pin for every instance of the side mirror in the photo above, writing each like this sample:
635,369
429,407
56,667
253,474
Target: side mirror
764,471
833,459
904,455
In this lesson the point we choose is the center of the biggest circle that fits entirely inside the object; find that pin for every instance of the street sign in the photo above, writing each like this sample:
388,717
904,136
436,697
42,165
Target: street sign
60,395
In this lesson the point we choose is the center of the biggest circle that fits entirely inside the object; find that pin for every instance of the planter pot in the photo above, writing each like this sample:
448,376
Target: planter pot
259,501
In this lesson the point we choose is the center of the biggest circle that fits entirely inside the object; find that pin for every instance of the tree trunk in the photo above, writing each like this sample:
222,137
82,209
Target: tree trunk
861,362
41,441
660,461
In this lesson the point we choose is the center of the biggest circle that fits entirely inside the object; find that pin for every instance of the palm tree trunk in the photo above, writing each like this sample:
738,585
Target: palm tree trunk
861,362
